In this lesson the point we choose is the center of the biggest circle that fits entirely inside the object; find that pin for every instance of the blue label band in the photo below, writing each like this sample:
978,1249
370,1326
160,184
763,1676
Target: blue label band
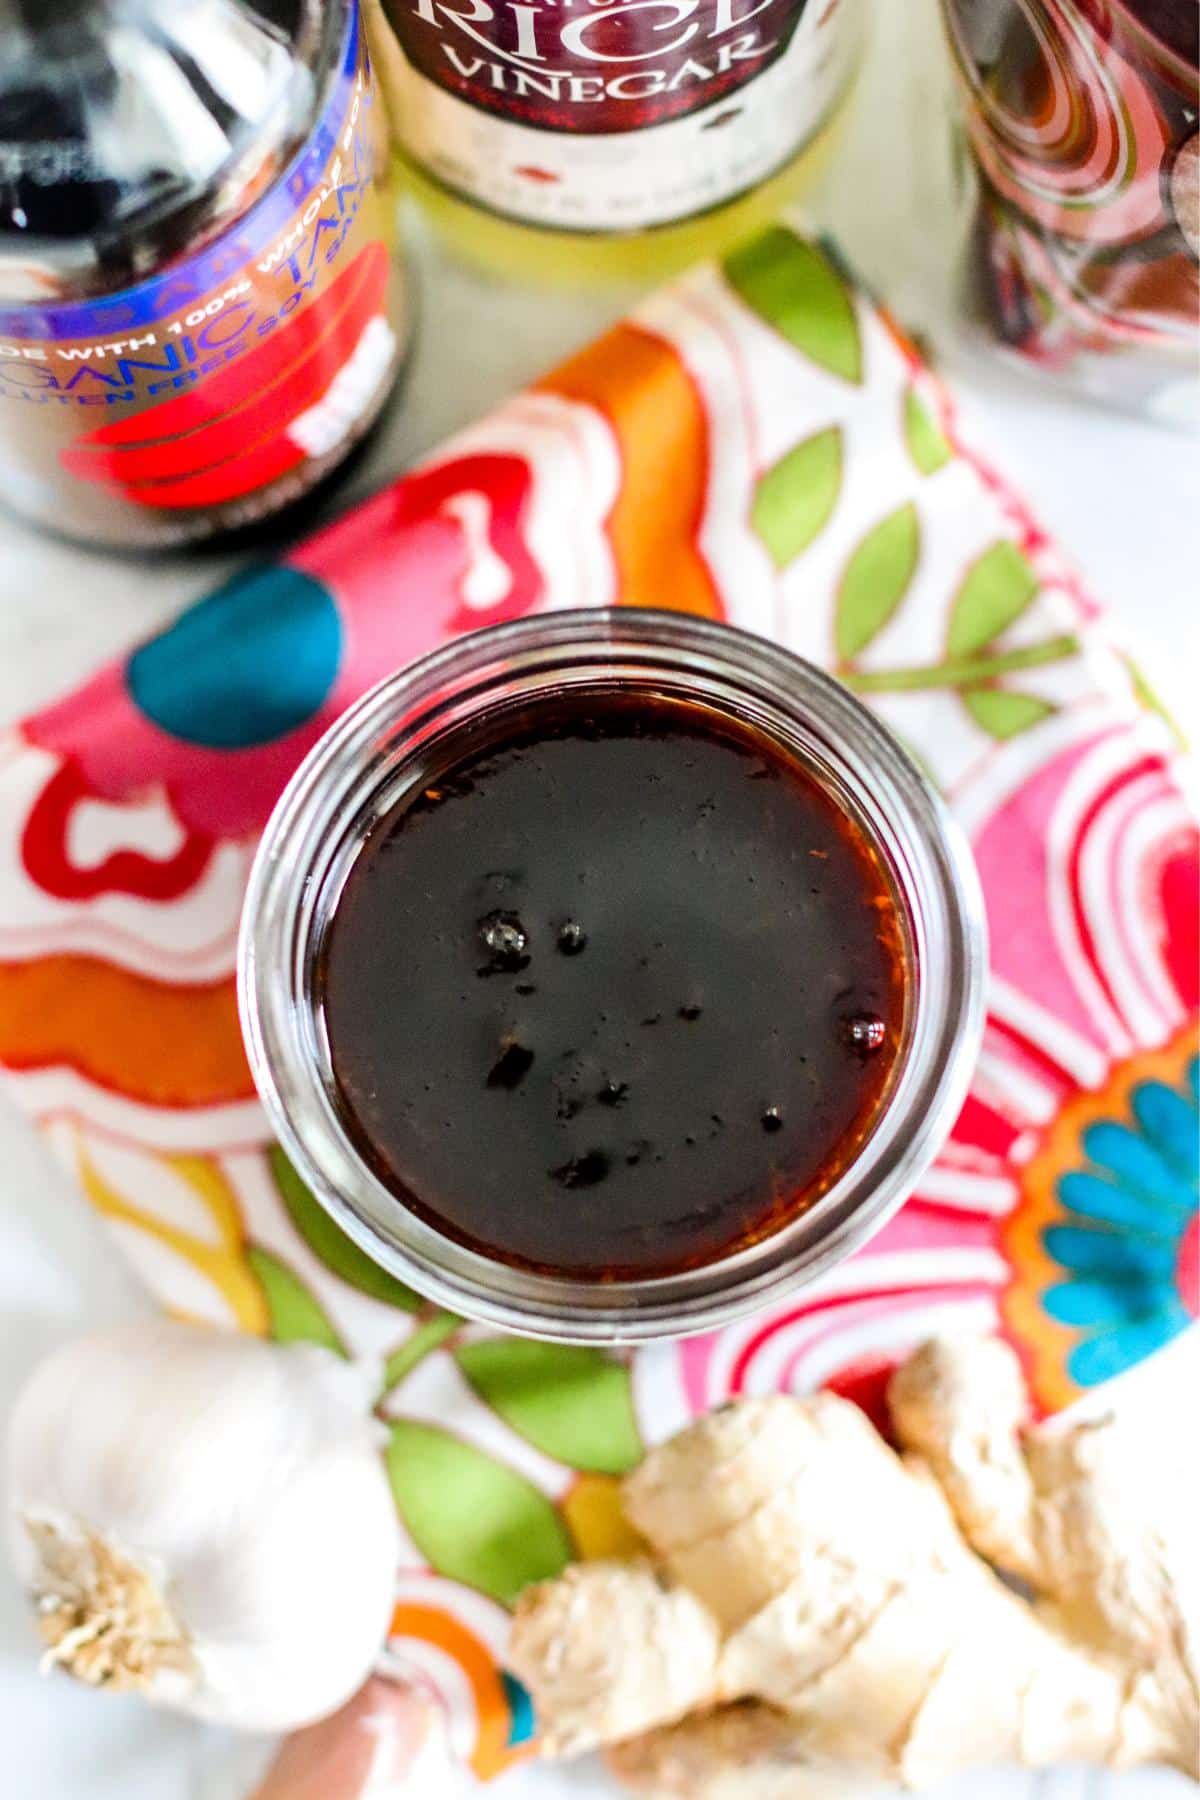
195,277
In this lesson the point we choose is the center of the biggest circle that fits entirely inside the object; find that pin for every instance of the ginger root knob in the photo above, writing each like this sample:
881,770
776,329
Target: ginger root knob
829,1613
610,1649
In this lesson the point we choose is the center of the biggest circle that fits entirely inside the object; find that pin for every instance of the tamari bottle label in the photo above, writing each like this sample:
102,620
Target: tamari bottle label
610,115
207,396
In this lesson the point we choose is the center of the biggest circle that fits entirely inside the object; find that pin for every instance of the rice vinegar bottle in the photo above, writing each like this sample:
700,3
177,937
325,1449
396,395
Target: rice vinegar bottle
619,138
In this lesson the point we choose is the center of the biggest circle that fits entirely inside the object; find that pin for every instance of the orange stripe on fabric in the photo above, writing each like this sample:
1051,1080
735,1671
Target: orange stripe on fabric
430,1625
644,391
163,1044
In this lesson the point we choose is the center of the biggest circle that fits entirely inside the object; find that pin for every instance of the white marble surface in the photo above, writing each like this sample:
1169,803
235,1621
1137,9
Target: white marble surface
1121,496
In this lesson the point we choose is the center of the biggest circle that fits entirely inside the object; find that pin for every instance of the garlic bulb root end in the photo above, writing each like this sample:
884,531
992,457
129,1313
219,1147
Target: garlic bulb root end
101,1614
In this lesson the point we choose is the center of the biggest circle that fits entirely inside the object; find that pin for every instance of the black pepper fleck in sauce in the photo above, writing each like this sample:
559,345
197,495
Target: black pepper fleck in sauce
612,862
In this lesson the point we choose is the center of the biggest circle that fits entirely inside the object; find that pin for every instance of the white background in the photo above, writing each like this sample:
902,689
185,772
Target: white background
1121,496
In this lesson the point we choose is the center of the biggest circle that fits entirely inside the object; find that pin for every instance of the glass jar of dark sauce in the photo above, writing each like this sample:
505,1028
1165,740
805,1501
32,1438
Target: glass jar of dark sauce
608,973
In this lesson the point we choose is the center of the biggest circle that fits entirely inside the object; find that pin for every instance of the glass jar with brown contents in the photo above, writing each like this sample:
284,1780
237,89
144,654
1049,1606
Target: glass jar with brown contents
607,973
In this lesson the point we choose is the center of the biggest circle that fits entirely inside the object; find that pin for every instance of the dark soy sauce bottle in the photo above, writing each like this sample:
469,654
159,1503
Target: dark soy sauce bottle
200,310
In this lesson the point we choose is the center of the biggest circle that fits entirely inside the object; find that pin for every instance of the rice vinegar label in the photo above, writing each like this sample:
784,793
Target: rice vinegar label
614,115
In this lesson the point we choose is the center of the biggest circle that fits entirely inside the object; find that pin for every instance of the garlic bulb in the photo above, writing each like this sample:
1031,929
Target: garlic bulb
205,1518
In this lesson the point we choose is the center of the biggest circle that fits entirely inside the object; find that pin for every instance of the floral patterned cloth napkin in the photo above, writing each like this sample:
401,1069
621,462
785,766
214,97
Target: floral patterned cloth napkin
757,443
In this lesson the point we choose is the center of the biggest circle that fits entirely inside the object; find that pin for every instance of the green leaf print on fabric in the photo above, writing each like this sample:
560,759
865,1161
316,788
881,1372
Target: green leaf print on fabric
473,1519
296,1315
875,581
1004,712
995,592
329,1243
572,1403
795,497
795,288
926,444
429,1334
999,586
1147,695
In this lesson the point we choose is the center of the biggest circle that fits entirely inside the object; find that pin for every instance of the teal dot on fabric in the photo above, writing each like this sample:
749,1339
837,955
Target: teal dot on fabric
520,1709
248,664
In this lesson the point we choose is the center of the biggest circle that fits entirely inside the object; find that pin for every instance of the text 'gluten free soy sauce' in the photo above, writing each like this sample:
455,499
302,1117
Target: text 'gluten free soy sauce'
620,991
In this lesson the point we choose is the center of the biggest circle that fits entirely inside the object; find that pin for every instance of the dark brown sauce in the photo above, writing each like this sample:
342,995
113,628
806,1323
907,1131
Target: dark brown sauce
617,993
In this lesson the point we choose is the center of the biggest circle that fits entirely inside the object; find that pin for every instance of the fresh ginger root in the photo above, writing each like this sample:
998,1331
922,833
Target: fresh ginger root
825,1617
623,1649
741,1752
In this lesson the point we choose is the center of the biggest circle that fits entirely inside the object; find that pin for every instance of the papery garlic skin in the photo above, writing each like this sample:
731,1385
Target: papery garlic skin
211,1515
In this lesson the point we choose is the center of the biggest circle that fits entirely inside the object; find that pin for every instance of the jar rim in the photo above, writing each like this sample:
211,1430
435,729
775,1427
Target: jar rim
380,747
